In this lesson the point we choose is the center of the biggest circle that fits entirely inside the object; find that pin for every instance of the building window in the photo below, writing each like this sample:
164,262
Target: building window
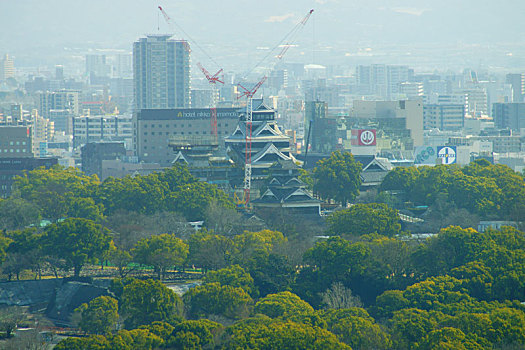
145,133
153,133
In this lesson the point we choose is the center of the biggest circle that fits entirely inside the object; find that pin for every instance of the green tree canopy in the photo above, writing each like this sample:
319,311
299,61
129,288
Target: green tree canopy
78,241
53,190
281,335
234,276
282,305
194,334
99,315
161,252
362,219
143,302
210,251
17,213
338,177
215,299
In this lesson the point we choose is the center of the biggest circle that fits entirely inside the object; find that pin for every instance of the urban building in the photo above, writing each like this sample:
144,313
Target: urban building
382,80
62,120
448,117
10,167
15,142
161,72
59,100
509,115
517,81
392,117
153,129
202,98
96,65
88,129
43,131
7,68
92,155
411,91
318,136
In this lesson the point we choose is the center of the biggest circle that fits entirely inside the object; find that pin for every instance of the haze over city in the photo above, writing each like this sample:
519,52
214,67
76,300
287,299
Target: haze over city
420,33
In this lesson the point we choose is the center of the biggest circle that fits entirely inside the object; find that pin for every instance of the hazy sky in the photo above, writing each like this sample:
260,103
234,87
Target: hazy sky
29,25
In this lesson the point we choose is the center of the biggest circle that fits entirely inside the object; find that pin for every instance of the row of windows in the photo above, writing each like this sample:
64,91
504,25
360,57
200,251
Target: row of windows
12,143
182,125
11,150
182,133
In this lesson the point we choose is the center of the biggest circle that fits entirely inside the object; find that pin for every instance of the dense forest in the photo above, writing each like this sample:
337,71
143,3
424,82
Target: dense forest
366,284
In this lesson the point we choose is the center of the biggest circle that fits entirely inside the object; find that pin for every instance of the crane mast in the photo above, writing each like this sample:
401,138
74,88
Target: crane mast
249,93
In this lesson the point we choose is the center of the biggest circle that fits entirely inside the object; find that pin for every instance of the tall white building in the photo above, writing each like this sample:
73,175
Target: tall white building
42,131
97,128
161,73
7,68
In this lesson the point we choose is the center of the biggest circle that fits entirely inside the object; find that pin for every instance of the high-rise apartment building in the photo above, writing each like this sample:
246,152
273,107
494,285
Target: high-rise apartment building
399,115
444,116
161,73
517,81
509,115
59,100
382,80
96,64
98,128
7,68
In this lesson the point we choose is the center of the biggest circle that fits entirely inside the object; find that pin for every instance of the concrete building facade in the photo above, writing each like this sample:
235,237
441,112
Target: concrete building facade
161,73
153,129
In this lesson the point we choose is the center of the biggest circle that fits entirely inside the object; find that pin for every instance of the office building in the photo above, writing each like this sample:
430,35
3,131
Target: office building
59,100
42,131
96,65
393,117
509,115
88,129
161,73
7,68
93,155
124,66
10,167
153,129
411,90
444,116
382,80
320,130
517,81
15,141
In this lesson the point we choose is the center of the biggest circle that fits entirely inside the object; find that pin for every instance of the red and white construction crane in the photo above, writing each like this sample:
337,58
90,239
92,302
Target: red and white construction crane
288,41
213,80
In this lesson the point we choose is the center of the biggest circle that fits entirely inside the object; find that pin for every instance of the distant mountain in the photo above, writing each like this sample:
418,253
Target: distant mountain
237,25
